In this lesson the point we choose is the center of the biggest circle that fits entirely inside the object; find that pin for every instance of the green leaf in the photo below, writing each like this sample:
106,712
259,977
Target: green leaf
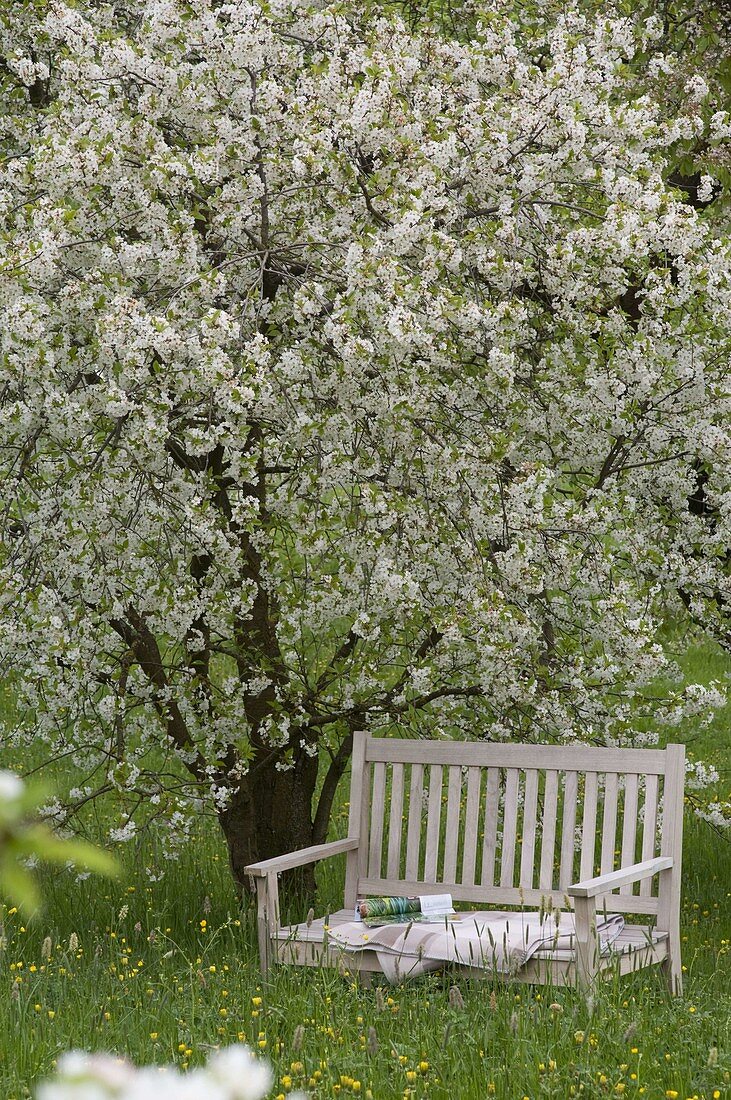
18,884
41,842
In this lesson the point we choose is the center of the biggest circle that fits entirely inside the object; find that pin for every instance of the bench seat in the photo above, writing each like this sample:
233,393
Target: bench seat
636,946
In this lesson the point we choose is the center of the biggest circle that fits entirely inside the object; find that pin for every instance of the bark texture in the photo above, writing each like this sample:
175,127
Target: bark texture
271,814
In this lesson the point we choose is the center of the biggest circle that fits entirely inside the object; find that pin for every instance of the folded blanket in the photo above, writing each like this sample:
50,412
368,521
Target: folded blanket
498,941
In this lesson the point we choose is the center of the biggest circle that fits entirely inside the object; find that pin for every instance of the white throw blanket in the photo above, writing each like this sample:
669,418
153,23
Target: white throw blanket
497,941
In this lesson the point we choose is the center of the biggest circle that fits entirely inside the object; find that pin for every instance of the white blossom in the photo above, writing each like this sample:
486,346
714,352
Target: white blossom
231,1074
375,382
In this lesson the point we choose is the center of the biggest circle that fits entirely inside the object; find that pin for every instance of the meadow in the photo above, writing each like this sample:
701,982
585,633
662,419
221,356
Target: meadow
167,971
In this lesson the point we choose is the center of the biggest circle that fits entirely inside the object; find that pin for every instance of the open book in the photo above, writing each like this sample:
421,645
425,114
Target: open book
424,909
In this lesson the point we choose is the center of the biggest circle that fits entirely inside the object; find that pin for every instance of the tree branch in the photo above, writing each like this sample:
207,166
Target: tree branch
140,639
342,654
333,775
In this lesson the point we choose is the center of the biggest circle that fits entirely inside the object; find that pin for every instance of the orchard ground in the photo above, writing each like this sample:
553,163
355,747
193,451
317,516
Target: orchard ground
165,971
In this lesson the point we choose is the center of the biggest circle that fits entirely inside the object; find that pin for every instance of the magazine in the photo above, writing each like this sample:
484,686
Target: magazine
424,909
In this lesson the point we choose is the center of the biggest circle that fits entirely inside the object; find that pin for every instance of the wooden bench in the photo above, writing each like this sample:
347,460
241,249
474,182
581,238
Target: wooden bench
514,826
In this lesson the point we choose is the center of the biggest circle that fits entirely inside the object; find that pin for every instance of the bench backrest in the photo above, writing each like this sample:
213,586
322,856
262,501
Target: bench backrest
511,824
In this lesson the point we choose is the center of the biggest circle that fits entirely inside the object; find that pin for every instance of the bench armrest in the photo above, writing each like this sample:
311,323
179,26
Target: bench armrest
604,884
302,857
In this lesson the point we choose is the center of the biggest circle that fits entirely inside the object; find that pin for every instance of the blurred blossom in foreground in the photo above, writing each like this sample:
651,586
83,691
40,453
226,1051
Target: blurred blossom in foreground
231,1074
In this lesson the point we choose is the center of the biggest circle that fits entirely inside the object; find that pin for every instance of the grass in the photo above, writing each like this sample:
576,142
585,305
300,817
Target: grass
165,971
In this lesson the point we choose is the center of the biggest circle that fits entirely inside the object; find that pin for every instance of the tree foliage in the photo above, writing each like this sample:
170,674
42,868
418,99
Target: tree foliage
352,375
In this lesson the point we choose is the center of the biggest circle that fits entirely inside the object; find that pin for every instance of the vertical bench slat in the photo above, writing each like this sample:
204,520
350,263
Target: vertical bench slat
472,818
548,830
378,810
489,842
528,849
568,829
609,822
510,827
451,841
588,826
360,779
393,863
649,829
413,833
434,816
629,826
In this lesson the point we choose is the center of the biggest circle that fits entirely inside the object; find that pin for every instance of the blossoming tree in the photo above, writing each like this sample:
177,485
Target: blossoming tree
350,377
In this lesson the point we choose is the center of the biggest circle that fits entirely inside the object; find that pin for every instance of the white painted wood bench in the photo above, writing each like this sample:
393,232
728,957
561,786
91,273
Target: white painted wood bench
514,826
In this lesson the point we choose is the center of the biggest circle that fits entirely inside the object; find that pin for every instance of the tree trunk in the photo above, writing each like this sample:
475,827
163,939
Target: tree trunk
271,814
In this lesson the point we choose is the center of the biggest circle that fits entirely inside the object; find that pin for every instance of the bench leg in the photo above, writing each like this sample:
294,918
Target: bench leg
587,945
668,918
267,918
671,965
